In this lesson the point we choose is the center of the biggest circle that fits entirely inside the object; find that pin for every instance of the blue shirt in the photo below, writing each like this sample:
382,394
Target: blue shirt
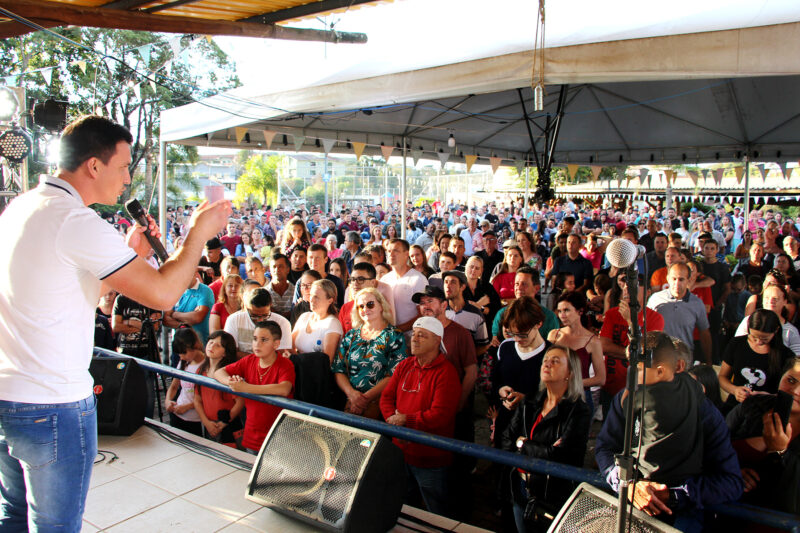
192,299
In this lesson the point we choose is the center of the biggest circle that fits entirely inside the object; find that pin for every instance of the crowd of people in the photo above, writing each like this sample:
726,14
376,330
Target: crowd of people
519,305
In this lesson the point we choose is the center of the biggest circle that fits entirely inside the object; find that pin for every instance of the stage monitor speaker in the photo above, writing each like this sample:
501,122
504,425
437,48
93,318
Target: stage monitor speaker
590,510
333,476
121,393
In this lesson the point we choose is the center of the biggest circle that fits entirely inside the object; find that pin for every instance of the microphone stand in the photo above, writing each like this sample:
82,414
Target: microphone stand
625,460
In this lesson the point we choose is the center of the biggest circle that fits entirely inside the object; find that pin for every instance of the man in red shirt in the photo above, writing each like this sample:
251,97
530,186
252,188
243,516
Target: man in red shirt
230,240
423,394
614,339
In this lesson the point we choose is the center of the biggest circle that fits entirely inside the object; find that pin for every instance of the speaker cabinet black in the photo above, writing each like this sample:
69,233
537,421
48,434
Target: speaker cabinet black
330,475
121,393
590,510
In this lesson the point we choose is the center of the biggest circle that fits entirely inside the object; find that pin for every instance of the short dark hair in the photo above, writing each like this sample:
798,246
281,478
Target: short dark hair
449,255
362,257
524,313
532,272
90,136
366,267
258,298
280,257
402,242
271,326
318,248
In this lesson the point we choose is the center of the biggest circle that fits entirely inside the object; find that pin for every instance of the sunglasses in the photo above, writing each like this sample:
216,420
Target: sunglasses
368,305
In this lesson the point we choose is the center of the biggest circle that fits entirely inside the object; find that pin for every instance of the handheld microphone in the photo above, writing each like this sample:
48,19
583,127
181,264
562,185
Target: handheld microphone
622,253
136,211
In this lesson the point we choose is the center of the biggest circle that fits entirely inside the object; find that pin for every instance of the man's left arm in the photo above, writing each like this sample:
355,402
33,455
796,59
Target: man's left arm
721,480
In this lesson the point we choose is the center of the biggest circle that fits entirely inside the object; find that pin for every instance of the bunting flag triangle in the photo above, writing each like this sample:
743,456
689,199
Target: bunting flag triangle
739,174
694,176
327,145
571,171
415,156
782,165
621,173
470,160
153,85
47,74
144,52
519,164
443,157
495,162
358,149
596,172
268,136
386,151
643,172
137,90
762,168
241,131
718,175
175,44
81,64
649,181
209,38
108,108
705,175
298,142
627,181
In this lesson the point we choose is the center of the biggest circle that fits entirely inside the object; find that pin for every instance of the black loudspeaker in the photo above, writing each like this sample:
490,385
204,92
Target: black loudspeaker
330,475
121,393
591,510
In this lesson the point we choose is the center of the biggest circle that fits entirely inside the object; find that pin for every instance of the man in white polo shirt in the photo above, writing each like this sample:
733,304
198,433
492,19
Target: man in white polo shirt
59,256
404,282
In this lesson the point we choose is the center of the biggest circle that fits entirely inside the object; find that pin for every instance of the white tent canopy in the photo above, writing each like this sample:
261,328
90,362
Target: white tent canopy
672,99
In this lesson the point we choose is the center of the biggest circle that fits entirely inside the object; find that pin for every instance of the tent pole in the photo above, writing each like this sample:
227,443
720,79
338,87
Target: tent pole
746,222
527,186
403,200
162,191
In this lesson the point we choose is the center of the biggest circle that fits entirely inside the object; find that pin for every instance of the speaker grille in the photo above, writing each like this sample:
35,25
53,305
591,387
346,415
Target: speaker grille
311,469
592,511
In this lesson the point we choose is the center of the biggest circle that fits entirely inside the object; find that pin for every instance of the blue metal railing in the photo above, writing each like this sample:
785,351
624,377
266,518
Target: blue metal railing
735,510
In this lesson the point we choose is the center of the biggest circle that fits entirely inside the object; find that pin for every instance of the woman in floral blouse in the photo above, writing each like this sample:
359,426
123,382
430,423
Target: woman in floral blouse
368,354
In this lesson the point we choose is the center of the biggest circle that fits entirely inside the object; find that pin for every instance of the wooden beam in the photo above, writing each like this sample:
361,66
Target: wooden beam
306,10
169,5
15,29
126,4
66,14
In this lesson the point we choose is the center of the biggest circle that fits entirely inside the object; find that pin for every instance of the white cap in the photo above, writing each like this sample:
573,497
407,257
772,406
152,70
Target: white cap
431,324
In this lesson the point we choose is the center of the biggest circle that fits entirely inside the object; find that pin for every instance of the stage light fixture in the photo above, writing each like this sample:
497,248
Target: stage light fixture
15,144
51,115
9,104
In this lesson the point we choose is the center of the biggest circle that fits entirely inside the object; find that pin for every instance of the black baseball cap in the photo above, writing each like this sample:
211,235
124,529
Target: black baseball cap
430,290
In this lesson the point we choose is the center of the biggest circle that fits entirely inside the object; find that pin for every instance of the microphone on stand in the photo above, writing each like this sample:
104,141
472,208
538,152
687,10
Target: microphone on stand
136,211
622,253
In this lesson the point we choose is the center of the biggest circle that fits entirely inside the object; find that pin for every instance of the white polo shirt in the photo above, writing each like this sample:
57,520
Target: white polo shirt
241,328
55,253
403,288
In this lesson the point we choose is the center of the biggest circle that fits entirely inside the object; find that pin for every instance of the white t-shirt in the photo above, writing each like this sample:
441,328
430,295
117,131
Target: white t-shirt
241,327
312,342
55,254
403,288
187,395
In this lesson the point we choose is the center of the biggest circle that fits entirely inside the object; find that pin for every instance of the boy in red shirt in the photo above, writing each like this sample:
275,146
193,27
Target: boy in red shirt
261,372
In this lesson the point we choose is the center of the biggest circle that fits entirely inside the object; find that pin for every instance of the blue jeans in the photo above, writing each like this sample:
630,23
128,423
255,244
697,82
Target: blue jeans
432,483
46,458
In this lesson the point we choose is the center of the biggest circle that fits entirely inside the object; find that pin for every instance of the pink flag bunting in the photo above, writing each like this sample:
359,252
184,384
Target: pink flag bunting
268,137
386,151
495,162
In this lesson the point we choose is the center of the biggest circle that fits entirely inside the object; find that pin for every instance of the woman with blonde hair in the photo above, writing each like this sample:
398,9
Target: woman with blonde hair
552,425
375,235
368,353
295,235
228,302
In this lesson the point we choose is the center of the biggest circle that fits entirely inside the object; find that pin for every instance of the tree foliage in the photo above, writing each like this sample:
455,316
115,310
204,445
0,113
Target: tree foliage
120,81
259,181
